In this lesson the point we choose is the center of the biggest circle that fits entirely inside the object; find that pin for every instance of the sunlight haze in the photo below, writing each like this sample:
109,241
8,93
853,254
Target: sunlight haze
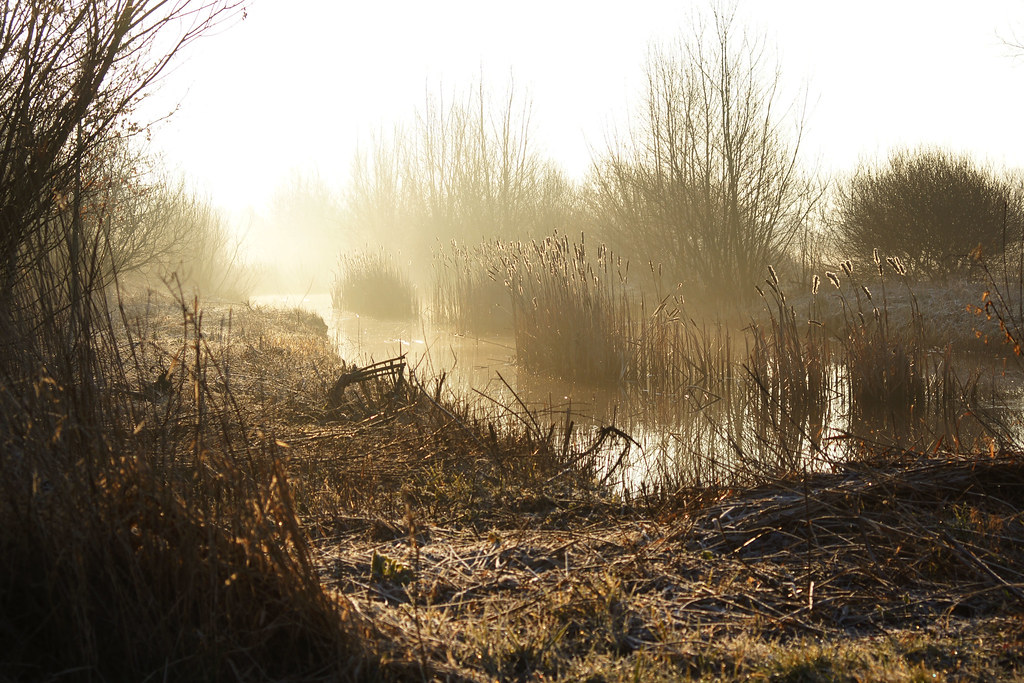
296,85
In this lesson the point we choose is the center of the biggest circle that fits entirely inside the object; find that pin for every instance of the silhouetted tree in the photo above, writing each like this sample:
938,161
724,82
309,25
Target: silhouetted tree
70,74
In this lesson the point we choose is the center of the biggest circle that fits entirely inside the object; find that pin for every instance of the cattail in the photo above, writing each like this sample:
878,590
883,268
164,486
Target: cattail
897,264
867,292
774,277
874,257
814,284
833,278
848,267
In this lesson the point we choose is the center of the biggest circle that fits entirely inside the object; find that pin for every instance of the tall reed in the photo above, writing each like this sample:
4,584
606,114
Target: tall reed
471,290
858,370
580,318
571,316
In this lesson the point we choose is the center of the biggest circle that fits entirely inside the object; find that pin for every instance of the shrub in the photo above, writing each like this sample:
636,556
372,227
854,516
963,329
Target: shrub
930,207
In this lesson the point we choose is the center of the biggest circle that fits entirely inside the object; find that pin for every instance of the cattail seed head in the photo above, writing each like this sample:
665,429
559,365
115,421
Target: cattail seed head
897,264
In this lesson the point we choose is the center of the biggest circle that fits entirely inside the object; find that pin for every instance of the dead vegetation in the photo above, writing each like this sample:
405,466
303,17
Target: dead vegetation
384,529
810,572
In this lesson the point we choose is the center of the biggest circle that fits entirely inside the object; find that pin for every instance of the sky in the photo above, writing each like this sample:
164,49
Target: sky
298,83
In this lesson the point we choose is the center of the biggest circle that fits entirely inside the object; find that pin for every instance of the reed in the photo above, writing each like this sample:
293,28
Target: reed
850,366
571,316
371,283
470,290
580,318
891,375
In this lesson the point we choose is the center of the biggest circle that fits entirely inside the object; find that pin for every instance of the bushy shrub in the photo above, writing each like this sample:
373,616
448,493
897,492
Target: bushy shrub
930,207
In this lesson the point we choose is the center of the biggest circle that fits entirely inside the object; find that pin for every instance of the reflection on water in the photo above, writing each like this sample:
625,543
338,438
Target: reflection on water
726,434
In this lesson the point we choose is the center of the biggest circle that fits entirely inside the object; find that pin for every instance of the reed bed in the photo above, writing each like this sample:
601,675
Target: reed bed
571,319
471,292
895,380
845,364
740,406
580,319
370,283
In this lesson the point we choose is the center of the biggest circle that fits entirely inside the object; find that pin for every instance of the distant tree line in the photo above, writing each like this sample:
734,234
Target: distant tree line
464,169
708,183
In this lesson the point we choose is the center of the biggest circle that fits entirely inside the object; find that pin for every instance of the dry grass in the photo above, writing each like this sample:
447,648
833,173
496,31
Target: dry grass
876,569
149,526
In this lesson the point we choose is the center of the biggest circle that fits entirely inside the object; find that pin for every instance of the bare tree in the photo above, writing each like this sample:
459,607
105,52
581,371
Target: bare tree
475,170
709,182
129,209
466,170
377,199
70,74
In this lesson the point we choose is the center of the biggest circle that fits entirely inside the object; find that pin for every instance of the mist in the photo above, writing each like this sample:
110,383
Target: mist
337,125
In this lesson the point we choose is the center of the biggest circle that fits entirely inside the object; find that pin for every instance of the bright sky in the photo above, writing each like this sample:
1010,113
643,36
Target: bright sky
297,83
